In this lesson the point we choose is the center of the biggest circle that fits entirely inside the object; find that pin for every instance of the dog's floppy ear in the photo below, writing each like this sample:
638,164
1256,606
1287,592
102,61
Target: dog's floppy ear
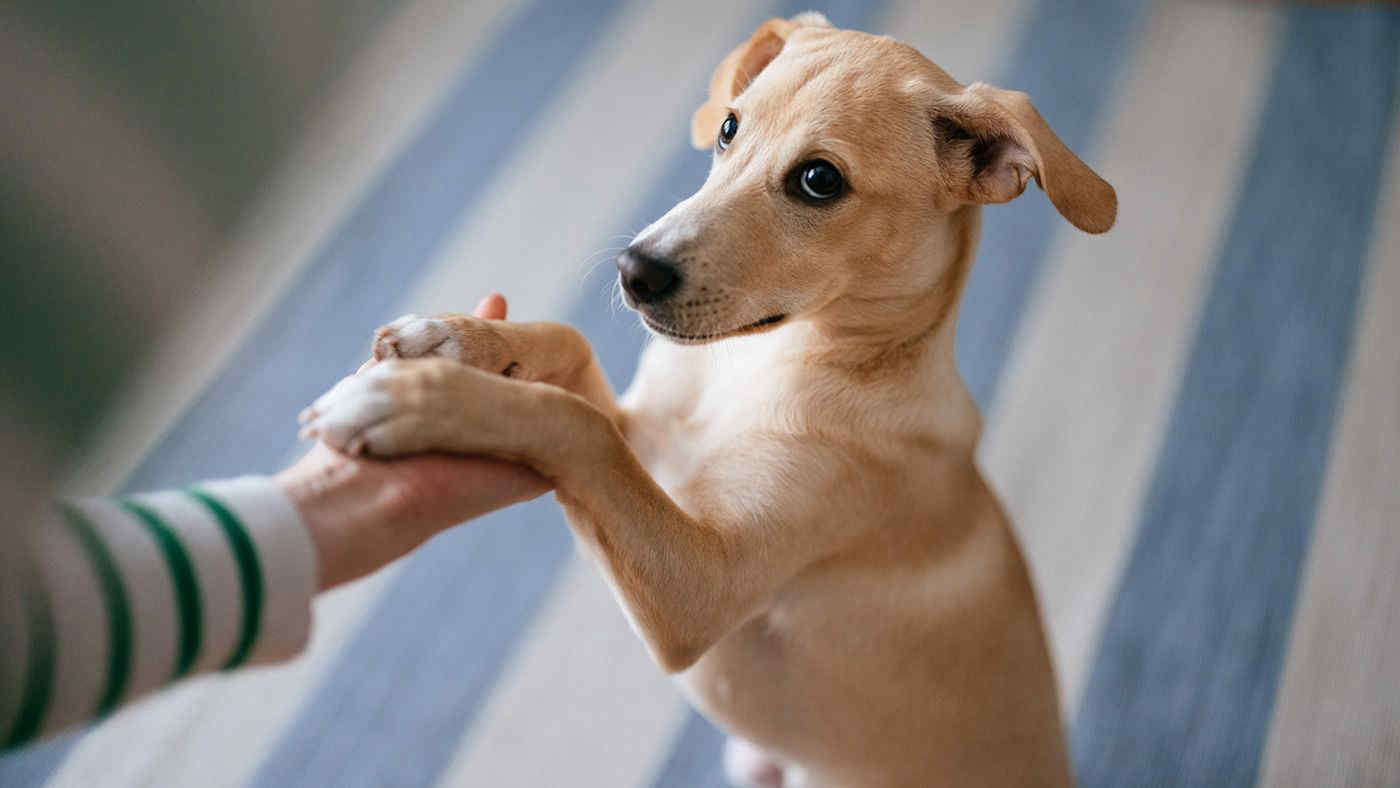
740,68
991,141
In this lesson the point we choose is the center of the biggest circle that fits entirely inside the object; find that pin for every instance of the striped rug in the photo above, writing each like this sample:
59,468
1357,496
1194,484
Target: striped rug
1194,421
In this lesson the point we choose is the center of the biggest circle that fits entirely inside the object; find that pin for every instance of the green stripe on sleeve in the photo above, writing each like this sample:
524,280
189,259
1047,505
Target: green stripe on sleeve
186,584
118,609
38,682
249,572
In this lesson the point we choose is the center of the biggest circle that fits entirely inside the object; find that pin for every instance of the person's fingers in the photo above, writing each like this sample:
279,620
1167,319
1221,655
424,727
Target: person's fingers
492,307
449,489
487,484
480,484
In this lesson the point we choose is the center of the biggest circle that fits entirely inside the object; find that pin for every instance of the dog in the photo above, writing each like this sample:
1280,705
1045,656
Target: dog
785,501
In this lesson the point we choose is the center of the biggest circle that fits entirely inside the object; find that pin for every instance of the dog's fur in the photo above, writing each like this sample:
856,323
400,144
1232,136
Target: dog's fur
791,518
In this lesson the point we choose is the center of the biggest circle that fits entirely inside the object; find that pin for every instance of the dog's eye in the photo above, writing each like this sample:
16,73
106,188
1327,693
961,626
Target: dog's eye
819,180
727,130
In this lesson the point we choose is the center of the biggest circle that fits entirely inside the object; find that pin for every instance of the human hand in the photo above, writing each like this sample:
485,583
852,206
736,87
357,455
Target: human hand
364,513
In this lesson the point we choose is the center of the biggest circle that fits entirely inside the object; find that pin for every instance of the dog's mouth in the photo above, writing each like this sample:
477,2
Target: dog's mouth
695,339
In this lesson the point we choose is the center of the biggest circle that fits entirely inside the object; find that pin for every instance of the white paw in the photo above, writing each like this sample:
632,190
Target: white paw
746,766
349,415
412,336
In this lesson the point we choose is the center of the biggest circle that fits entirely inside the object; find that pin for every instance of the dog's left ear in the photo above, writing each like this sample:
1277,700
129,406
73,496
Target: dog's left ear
740,68
992,141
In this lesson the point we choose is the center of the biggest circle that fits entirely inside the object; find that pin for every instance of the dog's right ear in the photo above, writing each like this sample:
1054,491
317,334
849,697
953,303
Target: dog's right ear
740,68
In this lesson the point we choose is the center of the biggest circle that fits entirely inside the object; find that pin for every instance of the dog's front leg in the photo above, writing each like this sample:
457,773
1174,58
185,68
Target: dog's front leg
686,580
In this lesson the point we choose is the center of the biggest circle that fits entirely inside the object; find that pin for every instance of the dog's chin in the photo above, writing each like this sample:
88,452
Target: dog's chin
683,336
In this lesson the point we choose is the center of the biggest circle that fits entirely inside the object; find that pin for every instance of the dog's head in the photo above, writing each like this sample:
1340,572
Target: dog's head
843,164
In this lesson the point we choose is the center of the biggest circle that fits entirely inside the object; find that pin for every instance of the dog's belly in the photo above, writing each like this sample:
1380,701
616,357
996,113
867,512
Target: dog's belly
802,681
873,675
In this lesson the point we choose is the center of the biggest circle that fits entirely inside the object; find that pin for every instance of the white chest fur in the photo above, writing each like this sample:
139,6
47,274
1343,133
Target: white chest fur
690,404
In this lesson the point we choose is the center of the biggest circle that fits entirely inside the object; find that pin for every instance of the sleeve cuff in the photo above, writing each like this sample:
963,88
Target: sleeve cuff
277,588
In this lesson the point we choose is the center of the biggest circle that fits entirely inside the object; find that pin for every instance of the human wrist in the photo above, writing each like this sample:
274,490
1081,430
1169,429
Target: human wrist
340,506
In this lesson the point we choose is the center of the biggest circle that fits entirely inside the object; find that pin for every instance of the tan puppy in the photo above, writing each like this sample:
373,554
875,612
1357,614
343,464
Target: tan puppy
791,519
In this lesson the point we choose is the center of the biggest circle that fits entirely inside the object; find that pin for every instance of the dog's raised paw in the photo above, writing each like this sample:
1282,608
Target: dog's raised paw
413,336
470,340
342,416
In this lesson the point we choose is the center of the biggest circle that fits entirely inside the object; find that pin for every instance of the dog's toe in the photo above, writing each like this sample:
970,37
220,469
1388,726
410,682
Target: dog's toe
412,336
746,766
341,416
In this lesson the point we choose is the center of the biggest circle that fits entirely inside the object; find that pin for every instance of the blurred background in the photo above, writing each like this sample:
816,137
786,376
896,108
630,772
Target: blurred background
206,208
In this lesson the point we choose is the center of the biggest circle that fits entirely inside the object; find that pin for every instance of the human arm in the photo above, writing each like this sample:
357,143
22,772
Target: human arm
103,601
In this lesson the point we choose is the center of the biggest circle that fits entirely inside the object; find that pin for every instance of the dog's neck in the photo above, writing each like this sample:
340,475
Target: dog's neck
905,328
907,300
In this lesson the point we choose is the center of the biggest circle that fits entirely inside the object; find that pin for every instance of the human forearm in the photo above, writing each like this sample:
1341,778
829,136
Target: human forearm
108,600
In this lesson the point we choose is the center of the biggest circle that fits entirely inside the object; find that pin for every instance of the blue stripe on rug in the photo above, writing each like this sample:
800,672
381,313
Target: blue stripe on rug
1183,686
1068,59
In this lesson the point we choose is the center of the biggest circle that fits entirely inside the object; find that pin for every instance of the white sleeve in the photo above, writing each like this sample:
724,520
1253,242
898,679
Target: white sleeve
119,597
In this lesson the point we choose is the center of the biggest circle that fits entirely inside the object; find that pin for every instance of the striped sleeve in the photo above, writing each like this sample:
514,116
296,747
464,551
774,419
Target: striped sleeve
112,599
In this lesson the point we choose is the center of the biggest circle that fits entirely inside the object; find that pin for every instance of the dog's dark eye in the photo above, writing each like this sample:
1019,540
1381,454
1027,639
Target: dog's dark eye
819,180
727,130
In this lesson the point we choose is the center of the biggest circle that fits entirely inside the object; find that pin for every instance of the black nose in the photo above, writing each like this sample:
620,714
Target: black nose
647,279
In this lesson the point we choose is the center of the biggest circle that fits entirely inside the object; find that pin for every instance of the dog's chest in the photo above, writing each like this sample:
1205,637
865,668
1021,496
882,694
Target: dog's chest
689,408
678,447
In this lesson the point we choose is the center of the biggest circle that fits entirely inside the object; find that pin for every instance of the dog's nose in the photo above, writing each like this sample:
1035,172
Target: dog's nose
646,278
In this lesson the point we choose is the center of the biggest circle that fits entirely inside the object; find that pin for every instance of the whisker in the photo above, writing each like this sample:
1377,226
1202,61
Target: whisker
592,261
616,302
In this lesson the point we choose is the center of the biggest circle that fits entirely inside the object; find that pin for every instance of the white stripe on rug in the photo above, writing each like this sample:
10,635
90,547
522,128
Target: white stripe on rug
583,704
1075,430
1337,718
